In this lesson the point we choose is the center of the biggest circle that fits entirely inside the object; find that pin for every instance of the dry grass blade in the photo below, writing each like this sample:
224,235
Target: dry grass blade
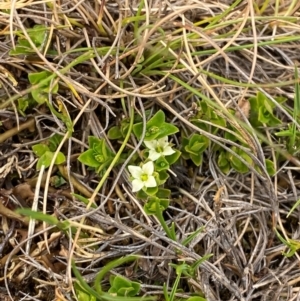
223,71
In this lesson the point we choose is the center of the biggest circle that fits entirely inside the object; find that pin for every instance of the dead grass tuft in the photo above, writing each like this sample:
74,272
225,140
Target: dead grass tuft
108,56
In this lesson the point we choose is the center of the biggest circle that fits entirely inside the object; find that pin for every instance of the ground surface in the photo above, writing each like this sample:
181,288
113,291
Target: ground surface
223,73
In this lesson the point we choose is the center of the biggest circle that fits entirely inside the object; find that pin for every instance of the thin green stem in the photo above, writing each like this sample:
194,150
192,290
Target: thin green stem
163,223
115,160
108,267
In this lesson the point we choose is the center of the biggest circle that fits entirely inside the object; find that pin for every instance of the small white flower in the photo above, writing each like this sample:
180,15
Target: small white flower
143,176
159,148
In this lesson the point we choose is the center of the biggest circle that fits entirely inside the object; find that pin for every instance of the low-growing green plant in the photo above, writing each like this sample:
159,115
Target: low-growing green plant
291,134
57,181
25,103
38,35
40,95
195,145
156,128
45,151
49,219
262,111
99,156
121,289
184,270
204,114
149,177
156,206
121,286
292,244
193,148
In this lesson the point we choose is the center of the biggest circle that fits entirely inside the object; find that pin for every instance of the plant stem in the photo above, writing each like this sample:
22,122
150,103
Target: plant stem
108,267
162,221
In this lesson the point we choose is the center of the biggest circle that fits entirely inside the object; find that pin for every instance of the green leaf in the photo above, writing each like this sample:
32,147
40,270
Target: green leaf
36,77
197,159
121,286
163,193
187,240
167,129
24,43
163,176
50,89
293,208
157,119
45,160
64,225
201,125
223,163
83,199
196,298
174,157
274,121
24,104
88,158
142,195
261,99
49,219
161,164
21,50
95,143
263,115
138,130
293,245
125,126
114,133
165,290
196,148
37,34
54,141
238,165
196,264
155,204
229,136
60,158
83,284
156,127
57,181
197,144
83,295
39,96
270,167
102,153
151,190
40,149
285,133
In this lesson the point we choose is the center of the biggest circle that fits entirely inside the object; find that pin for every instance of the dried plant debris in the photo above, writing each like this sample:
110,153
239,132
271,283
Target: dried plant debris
149,150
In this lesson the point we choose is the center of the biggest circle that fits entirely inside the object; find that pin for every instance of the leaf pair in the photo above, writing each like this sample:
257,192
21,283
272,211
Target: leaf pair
37,34
262,111
98,156
194,147
156,128
40,95
45,152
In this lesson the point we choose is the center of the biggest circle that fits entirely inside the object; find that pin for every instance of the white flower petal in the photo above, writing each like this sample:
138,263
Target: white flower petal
153,155
135,171
163,142
151,144
137,185
148,168
150,182
168,151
